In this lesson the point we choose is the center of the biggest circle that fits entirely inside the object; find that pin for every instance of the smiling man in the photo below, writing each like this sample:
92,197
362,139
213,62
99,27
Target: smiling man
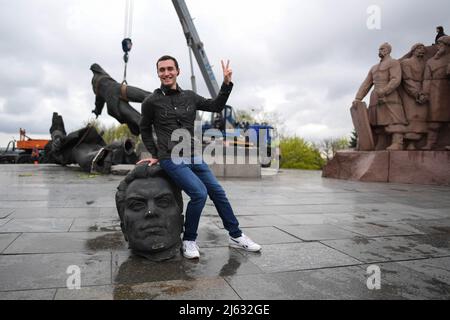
168,109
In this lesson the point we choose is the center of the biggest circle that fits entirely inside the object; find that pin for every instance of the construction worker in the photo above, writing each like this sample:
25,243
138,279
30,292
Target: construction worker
170,108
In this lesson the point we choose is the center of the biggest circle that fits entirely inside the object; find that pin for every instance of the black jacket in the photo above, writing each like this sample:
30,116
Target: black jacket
439,35
167,110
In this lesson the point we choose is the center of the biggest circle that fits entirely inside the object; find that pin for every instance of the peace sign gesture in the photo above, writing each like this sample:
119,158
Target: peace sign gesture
227,72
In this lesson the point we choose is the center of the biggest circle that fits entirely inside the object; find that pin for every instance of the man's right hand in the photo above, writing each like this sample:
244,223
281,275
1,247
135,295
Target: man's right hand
149,161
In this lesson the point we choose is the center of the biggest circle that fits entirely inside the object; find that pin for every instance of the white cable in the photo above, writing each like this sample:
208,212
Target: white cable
128,26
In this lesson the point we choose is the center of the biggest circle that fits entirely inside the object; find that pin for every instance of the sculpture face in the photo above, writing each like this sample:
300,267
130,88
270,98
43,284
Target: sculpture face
420,52
442,49
384,51
152,218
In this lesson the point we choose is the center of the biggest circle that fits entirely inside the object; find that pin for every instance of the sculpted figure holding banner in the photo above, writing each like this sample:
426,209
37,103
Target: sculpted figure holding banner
386,114
436,88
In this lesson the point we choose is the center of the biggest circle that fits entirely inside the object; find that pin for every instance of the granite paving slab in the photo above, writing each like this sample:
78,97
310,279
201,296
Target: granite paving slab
412,285
45,294
343,283
391,248
213,262
269,235
5,213
430,226
95,225
256,221
66,213
4,221
67,242
199,289
44,271
37,225
298,256
379,229
317,232
6,239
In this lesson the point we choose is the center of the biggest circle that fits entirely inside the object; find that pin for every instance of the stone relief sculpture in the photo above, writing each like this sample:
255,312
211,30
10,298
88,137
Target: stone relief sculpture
407,122
150,208
116,96
386,113
409,106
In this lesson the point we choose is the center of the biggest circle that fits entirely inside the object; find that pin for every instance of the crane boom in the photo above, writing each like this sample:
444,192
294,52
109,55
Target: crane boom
193,41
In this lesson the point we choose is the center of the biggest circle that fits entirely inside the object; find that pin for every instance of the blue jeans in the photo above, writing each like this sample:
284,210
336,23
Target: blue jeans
198,182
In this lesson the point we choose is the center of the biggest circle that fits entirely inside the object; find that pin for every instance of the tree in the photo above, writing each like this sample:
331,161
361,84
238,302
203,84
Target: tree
296,153
330,146
353,139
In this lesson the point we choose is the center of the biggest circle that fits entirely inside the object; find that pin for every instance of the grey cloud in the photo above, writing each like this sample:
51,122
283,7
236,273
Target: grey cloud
322,48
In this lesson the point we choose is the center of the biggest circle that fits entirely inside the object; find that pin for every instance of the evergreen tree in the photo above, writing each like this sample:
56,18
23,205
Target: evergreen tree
353,139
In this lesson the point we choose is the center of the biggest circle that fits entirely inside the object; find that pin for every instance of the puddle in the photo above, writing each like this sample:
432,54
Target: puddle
111,241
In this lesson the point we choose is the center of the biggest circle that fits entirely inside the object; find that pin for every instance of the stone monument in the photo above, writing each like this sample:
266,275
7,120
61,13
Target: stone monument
404,134
86,148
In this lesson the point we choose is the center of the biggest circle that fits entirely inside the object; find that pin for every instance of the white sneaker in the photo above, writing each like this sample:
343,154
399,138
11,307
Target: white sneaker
190,250
244,242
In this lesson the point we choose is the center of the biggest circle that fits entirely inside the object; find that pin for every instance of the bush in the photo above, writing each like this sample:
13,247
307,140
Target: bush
114,132
296,153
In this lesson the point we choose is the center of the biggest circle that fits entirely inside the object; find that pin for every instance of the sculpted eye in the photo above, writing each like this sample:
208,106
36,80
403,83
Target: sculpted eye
135,205
163,202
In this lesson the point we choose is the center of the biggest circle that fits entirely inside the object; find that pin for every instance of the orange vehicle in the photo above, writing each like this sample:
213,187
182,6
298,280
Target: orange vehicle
31,148
26,143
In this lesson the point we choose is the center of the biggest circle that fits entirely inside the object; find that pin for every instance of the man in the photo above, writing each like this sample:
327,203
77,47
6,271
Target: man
410,92
436,89
170,108
386,114
440,34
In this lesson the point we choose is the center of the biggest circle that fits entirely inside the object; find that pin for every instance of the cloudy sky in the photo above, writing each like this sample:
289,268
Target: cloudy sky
302,59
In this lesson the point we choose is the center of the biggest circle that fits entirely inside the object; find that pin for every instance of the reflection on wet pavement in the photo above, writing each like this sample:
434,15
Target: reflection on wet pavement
318,236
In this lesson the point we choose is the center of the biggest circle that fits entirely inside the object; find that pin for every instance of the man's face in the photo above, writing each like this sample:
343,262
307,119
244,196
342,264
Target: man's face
419,52
383,51
168,73
152,219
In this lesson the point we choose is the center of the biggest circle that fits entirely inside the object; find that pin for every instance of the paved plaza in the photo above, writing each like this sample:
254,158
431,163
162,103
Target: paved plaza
319,238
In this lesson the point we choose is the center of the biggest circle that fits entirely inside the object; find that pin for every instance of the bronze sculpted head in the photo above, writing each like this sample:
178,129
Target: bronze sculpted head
150,208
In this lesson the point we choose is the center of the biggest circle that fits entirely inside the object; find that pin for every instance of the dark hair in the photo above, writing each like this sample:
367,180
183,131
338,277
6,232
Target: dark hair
143,171
440,28
166,57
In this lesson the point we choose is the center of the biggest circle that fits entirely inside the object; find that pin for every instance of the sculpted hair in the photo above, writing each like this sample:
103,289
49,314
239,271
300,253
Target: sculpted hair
416,46
166,57
143,171
388,46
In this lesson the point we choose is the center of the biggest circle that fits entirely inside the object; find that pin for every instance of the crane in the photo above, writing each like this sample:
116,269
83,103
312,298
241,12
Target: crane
197,47
227,119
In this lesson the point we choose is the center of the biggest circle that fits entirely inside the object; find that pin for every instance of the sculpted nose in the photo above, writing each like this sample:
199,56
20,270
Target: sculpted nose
150,210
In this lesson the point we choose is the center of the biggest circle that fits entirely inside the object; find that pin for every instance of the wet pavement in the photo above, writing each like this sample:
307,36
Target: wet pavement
320,237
